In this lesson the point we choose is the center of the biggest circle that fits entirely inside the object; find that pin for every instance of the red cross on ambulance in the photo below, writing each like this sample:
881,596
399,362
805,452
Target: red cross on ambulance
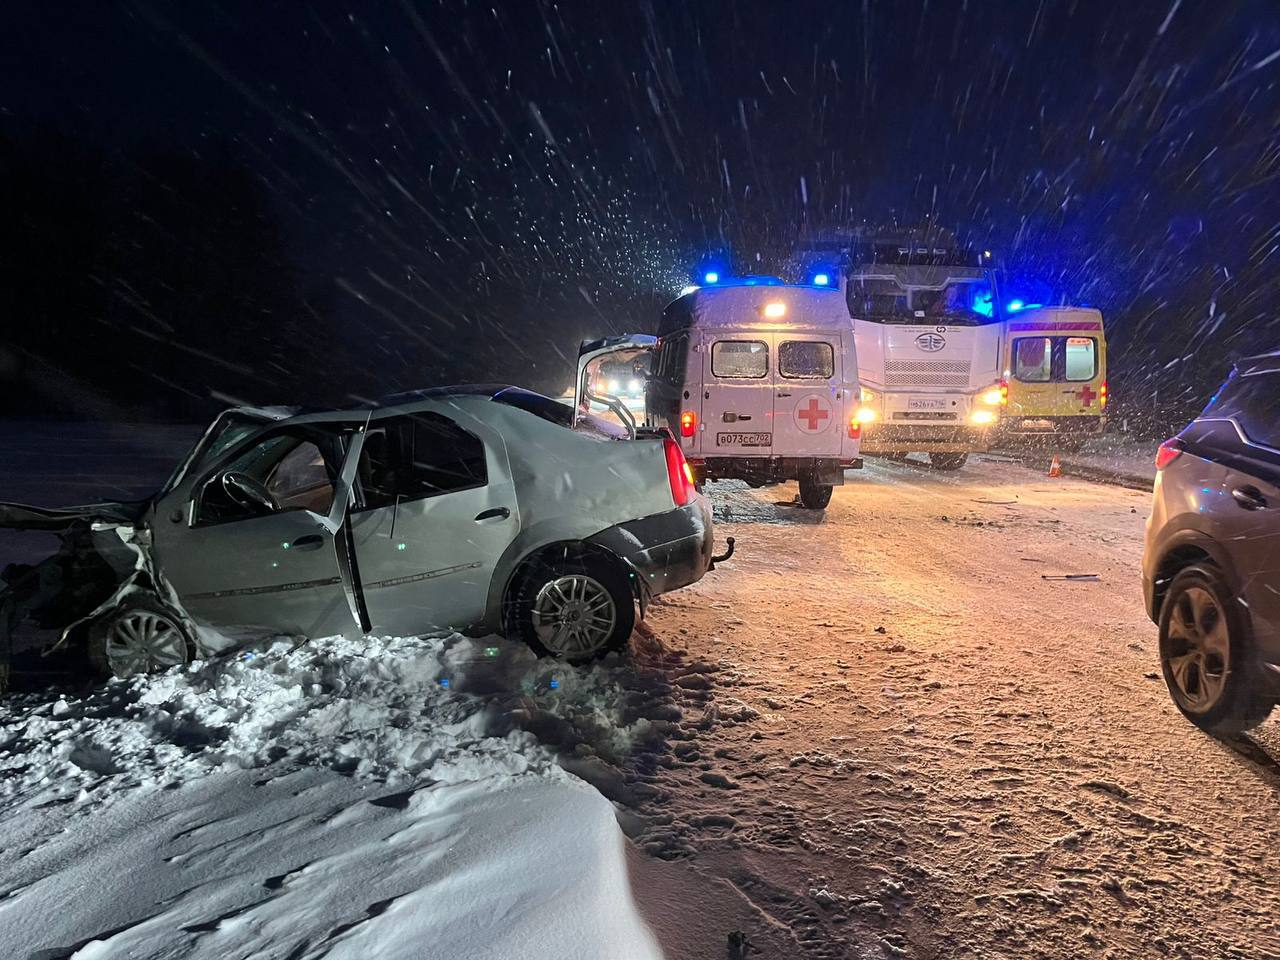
813,413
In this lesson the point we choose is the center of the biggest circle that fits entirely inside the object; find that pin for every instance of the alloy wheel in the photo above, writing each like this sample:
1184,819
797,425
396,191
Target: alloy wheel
574,616
1199,648
142,641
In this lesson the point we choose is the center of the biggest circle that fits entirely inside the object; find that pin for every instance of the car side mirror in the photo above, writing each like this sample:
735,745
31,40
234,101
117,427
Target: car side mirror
247,492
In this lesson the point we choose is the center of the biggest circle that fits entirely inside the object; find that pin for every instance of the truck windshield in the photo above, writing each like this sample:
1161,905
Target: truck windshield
885,300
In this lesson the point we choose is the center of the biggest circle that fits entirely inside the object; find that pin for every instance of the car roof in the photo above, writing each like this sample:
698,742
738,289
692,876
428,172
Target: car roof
485,390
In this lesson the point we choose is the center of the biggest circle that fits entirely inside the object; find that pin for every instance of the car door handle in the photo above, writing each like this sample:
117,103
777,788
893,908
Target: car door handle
312,541
1250,498
497,513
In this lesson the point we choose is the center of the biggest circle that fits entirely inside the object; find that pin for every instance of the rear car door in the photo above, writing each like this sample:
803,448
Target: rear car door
808,398
1239,437
737,395
436,509
249,569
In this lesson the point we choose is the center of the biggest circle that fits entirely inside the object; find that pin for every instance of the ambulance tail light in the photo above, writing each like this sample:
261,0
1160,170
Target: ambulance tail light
1103,395
1004,393
688,423
1168,452
855,428
679,473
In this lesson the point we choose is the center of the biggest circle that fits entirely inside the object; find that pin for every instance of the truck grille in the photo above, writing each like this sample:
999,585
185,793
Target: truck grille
926,373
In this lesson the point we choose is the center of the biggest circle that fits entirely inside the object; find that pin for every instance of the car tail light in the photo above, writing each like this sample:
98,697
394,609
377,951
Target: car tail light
1103,395
679,473
688,423
855,428
1168,452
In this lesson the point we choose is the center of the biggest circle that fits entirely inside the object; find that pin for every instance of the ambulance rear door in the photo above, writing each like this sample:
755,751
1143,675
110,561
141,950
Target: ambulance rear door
737,394
809,394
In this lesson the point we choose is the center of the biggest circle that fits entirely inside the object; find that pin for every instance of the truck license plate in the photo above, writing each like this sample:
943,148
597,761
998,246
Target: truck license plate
744,439
926,403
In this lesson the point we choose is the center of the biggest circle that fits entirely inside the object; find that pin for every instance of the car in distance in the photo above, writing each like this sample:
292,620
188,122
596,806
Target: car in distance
479,507
1211,566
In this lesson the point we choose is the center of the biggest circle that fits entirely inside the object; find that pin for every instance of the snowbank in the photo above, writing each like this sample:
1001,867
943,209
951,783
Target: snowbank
335,799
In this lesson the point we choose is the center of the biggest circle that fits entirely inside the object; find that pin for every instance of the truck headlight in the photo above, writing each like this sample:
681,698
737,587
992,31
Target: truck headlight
867,415
982,418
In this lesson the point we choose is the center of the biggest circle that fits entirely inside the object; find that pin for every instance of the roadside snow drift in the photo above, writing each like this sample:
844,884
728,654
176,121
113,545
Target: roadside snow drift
337,799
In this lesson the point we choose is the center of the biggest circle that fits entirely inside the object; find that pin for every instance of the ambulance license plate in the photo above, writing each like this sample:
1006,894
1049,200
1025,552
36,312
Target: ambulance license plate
744,439
926,403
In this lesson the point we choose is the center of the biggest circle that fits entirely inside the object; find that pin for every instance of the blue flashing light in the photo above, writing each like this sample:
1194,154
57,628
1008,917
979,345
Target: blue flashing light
555,684
821,279
711,277
444,682
983,306
1013,306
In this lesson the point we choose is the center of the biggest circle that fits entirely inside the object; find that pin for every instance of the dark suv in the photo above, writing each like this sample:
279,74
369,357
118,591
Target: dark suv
1211,568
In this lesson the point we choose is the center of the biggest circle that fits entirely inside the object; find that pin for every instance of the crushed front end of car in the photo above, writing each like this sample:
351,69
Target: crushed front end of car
102,558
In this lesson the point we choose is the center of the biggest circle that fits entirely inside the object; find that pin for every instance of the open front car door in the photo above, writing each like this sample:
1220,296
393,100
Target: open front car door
255,542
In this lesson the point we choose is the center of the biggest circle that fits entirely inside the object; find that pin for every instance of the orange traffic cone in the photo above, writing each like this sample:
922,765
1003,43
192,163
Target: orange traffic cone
1055,468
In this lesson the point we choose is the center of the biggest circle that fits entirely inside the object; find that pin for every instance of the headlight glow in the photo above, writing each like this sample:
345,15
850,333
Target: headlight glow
982,417
991,397
867,415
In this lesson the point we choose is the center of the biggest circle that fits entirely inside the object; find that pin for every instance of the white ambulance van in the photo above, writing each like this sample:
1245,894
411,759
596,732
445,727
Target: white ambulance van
756,378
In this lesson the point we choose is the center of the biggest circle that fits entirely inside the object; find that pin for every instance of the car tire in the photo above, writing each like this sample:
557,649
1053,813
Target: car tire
142,636
573,608
948,461
1212,676
814,495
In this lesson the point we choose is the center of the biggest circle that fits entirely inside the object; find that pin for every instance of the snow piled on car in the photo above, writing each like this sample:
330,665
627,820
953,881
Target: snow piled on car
335,798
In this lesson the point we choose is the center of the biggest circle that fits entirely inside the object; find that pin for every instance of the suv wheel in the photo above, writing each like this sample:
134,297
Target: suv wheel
1206,654
948,461
814,496
140,637
576,609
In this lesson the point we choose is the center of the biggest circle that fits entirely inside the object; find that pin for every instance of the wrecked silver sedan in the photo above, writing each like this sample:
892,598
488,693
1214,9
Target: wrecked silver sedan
485,509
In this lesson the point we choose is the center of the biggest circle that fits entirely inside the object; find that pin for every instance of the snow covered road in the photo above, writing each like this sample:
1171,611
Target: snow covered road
877,733
915,746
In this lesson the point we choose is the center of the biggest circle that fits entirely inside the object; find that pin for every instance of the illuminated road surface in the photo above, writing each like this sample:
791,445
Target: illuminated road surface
916,746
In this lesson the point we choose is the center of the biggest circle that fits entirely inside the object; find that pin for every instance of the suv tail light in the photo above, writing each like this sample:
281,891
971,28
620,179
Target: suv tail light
688,423
679,473
1168,452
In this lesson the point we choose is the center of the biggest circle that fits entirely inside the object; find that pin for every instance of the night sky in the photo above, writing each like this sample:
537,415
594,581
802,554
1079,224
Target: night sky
288,201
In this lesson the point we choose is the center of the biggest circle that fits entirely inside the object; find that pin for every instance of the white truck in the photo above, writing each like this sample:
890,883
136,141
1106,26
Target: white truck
927,322
757,380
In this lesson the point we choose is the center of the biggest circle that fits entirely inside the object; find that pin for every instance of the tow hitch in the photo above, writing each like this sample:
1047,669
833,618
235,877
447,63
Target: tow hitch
728,552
